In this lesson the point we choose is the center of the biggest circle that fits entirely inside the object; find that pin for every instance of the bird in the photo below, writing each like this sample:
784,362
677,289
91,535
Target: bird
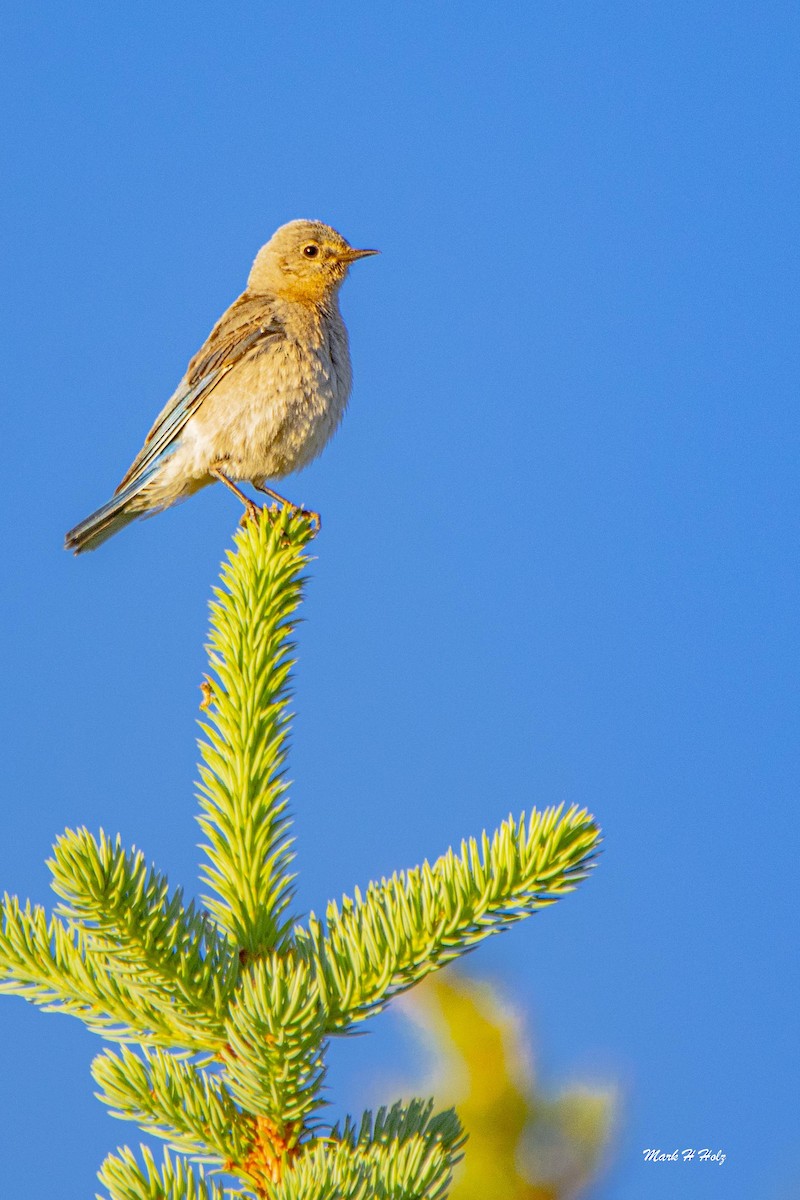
262,396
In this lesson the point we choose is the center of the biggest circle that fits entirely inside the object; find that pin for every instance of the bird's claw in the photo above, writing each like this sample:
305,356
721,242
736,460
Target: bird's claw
251,513
312,517
275,511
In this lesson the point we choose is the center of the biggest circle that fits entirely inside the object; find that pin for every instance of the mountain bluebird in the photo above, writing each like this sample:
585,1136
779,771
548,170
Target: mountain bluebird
262,396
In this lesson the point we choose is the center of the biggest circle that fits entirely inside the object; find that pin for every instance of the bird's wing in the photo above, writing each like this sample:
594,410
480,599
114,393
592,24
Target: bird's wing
246,327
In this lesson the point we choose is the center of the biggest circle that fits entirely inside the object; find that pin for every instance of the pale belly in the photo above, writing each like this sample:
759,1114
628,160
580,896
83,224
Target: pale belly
268,418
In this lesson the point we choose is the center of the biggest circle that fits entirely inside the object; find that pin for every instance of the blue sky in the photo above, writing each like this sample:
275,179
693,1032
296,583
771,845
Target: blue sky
559,552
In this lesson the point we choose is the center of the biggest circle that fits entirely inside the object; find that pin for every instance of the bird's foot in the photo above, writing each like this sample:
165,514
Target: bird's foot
312,517
296,511
251,512
276,511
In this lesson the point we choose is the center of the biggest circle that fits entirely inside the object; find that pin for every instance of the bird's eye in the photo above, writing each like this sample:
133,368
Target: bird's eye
311,251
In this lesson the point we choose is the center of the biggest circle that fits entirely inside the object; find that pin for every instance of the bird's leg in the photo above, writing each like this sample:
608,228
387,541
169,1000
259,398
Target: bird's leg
304,512
252,509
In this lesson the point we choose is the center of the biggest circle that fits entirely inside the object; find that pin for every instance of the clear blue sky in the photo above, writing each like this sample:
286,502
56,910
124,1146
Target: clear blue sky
559,559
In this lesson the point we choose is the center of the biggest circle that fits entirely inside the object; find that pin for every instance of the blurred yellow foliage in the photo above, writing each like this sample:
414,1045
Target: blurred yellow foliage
523,1145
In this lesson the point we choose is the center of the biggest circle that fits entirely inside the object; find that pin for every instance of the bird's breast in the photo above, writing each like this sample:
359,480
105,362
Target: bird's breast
274,413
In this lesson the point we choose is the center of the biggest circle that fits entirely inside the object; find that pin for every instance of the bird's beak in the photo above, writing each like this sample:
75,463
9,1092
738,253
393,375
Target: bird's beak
352,254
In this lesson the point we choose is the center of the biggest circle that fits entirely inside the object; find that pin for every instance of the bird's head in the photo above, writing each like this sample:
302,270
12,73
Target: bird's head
303,261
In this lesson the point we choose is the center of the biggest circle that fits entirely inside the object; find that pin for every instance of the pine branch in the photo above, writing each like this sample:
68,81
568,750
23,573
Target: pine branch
409,925
126,912
403,1154
252,1000
400,1122
417,1170
243,790
53,966
175,1180
176,1100
275,1060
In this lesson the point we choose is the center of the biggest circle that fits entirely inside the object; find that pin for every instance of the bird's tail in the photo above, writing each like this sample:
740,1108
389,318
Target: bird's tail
109,519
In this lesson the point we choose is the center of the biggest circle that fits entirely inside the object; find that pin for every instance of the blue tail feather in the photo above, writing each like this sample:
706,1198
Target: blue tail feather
109,518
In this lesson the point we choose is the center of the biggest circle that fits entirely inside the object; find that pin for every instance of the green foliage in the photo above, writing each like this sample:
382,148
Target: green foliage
406,927
57,967
174,1099
128,915
222,1015
276,1039
243,789
175,1180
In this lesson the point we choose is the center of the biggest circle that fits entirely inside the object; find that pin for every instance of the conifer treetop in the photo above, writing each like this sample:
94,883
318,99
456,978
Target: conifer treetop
220,1013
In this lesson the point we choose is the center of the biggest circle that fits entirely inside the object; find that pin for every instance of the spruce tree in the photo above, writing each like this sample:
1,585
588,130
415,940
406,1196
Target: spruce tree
219,1013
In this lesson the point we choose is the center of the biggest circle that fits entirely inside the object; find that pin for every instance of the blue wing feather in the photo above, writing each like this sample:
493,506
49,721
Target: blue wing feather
248,323
188,398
